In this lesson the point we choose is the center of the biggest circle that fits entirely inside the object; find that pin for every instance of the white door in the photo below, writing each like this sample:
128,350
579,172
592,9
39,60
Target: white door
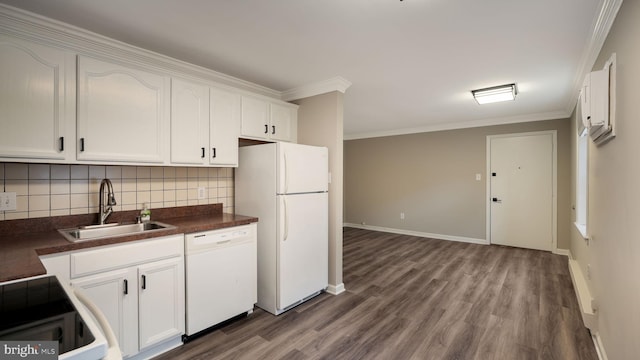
302,168
303,246
522,190
161,301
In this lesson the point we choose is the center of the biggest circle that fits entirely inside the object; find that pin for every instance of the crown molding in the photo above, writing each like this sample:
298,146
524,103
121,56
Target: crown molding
461,125
321,87
601,27
36,28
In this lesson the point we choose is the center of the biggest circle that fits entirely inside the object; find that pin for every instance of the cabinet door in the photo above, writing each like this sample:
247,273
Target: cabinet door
122,113
37,101
225,127
283,121
161,308
189,123
255,118
116,295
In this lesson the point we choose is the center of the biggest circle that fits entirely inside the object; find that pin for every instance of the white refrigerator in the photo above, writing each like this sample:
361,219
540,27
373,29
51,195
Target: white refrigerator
285,185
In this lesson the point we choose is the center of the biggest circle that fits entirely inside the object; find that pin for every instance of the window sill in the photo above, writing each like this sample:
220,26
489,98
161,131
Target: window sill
582,229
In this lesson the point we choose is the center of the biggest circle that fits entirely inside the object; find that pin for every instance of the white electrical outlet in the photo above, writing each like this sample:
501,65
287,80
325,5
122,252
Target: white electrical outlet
401,216
478,177
202,193
7,201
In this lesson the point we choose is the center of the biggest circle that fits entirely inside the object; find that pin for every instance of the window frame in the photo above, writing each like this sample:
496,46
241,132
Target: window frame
582,184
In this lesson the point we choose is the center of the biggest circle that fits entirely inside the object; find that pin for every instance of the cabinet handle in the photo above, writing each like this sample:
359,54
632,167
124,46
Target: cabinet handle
144,282
61,332
81,144
273,130
61,143
203,153
214,152
266,128
126,286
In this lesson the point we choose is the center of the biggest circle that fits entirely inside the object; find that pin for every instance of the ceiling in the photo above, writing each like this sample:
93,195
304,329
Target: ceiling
412,63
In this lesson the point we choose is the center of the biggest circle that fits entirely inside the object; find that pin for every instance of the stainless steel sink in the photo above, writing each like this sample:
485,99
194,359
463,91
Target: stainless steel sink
94,232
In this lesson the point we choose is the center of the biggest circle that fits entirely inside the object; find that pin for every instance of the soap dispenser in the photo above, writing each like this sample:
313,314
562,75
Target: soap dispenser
145,213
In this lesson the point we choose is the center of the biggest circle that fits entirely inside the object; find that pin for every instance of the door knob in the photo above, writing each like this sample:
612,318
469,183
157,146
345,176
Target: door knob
496,200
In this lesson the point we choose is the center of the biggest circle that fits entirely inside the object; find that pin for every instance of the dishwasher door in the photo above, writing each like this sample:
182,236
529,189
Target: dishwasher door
221,275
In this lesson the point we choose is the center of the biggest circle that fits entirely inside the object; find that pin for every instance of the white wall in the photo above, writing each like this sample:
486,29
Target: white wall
320,123
431,177
614,200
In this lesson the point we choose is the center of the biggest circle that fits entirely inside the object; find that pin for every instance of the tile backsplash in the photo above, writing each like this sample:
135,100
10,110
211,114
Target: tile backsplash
53,190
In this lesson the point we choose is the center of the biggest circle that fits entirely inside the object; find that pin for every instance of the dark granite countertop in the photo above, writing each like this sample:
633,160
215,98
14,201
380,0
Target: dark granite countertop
23,241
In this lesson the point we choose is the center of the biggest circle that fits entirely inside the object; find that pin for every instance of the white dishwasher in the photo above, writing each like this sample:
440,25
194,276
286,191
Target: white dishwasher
221,275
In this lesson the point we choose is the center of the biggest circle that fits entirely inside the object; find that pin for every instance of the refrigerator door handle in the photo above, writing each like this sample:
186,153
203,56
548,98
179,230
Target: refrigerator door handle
286,220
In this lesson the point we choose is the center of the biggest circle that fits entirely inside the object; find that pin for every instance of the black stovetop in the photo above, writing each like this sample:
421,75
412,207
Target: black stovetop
40,310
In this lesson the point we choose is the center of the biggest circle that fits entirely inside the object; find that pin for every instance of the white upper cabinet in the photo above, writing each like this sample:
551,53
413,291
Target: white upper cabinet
284,121
81,102
37,101
205,125
122,113
266,120
224,127
255,117
189,123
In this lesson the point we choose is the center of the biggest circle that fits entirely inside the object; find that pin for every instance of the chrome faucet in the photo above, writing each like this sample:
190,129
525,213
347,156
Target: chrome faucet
106,206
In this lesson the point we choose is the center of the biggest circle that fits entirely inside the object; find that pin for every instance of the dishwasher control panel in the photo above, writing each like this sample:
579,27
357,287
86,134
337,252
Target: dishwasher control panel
216,238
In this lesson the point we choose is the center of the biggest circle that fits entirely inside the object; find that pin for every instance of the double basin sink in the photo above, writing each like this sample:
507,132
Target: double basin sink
94,232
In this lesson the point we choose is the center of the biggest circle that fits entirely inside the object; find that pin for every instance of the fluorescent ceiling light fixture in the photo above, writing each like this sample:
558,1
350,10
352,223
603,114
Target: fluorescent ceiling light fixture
495,94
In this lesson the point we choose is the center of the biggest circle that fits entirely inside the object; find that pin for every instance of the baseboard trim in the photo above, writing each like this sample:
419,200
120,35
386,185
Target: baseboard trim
418,233
597,342
585,300
335,289
563,252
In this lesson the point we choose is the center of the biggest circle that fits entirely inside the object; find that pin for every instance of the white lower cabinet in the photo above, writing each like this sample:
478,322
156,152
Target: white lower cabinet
160,301
140,289
113,294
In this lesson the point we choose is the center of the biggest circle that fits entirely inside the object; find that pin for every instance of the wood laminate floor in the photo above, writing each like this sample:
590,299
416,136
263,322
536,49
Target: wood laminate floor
417,298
